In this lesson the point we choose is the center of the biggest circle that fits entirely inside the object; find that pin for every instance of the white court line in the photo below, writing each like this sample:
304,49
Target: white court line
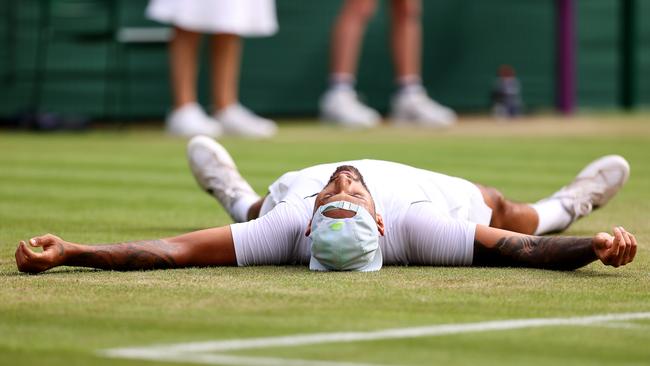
222,359
196,352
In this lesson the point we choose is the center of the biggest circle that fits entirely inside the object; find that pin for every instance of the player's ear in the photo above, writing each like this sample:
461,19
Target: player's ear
308,231
380,224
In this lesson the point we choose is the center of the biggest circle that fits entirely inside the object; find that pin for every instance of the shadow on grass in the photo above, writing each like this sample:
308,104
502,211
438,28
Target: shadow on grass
590,273
62,271
581,273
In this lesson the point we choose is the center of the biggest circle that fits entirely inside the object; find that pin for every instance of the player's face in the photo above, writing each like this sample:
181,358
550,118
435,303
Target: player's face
346,184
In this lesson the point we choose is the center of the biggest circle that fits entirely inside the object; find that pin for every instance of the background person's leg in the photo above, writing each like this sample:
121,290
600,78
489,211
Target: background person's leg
347,36
225,59
235,118
340,104
411,104
183,54
187,117
406,39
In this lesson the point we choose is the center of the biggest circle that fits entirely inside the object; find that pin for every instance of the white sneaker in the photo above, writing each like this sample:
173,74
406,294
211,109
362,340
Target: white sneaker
594,186
416,107
239,121
216,173
190,120
342,107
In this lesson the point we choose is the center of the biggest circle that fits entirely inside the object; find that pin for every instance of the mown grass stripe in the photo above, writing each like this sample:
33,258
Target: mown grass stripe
337,337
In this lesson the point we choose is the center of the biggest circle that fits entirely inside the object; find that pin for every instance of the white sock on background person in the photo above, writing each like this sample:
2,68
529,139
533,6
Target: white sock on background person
341,81
552,215
409,84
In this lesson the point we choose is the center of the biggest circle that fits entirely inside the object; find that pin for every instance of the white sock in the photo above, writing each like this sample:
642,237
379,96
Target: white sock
340,81
409,84
552,216
239,210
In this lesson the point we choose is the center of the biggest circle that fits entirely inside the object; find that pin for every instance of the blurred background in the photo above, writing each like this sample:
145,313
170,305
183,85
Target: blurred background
103,60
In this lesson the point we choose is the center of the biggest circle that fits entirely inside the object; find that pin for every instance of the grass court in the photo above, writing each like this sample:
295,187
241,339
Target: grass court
120,185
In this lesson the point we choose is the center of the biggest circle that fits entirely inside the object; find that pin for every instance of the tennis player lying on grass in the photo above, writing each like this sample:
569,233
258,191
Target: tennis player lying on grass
393,214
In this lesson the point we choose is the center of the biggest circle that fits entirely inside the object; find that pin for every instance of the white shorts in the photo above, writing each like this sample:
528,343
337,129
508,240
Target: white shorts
241,17
277,192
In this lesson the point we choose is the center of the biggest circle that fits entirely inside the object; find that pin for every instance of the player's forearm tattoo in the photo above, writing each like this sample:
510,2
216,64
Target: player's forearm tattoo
140,255
561,253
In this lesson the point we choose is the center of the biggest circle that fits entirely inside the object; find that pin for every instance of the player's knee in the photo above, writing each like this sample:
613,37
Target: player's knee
499,205
502,205
492,197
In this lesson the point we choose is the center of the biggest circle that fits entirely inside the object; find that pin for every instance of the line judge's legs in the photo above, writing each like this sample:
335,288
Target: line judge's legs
225,59
347,35
406,38
183,54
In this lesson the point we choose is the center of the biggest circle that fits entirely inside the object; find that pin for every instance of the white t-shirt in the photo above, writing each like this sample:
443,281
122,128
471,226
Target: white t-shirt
429,218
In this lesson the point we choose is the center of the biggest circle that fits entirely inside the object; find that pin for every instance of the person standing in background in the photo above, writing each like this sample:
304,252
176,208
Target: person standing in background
225,21
410,104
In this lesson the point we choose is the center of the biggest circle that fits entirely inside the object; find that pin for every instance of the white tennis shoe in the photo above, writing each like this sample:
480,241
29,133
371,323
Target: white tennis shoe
594,186
417,108
216,172
238,120
341,106
190,120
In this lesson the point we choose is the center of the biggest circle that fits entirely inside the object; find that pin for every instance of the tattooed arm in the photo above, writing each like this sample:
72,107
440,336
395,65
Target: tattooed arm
495,247
200,248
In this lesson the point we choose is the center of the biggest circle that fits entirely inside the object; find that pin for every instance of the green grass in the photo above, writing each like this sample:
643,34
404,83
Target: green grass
115,186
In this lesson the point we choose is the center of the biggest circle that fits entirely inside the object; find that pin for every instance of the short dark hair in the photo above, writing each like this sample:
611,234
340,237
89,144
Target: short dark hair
357,175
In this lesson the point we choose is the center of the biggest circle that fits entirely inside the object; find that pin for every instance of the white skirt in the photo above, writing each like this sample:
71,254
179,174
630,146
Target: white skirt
241,17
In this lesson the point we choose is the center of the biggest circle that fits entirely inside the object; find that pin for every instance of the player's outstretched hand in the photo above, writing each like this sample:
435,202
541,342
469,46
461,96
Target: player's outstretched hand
52,255
616,250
